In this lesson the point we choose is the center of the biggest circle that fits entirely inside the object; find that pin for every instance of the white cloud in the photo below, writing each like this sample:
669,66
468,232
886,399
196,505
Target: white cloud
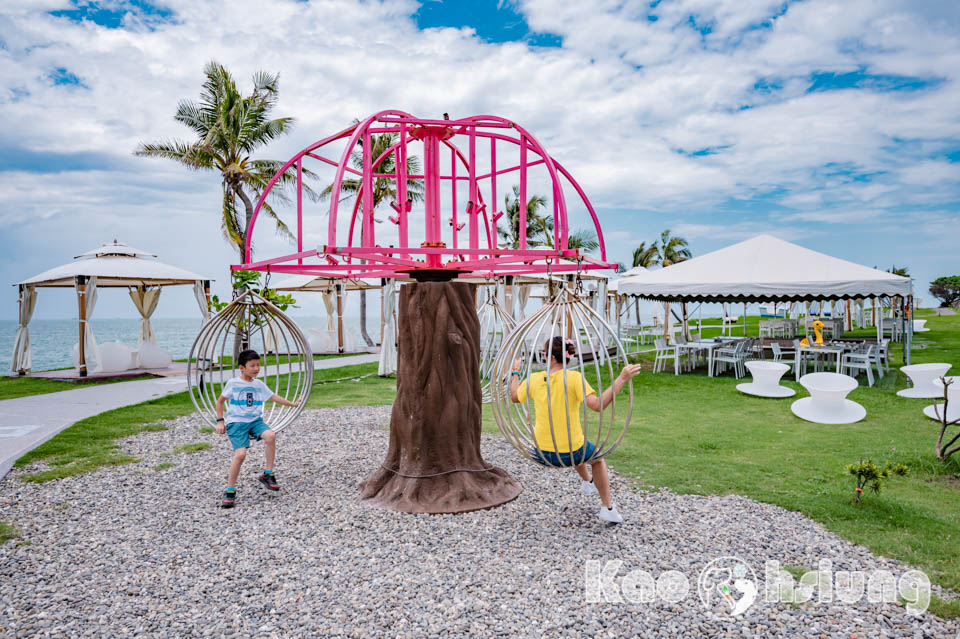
616,105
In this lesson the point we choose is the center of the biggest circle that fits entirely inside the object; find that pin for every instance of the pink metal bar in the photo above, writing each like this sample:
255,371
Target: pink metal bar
451,123
366,186
300,207
493,181
472,203
510,170
285,258
522,204
333,162
402,187
453,195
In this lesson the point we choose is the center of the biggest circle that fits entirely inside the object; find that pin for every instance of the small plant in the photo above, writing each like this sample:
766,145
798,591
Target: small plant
869,475
943,451
164,466
206,430
7,532
243,280
191,448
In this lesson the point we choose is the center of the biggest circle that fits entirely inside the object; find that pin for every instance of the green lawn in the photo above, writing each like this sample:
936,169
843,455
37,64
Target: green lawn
13,387
695,434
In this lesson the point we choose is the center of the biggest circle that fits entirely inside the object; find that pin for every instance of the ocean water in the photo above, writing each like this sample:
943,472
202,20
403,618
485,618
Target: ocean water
53,340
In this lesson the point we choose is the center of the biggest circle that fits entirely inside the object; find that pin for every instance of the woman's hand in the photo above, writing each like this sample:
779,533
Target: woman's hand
629,372
517,365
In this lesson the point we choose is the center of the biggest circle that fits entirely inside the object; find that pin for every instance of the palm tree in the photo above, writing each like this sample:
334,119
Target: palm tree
672,250
536,224
645,256
384,189
229,128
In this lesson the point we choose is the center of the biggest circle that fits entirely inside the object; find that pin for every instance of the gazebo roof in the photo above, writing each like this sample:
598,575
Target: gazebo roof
114,265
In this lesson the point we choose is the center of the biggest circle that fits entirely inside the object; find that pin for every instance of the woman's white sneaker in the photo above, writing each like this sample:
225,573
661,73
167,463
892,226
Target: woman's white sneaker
610,514
587,488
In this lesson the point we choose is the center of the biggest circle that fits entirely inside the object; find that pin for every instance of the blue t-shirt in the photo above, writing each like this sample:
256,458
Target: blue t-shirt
245,399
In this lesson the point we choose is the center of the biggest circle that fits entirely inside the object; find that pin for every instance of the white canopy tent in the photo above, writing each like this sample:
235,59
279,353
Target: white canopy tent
766,268
113,265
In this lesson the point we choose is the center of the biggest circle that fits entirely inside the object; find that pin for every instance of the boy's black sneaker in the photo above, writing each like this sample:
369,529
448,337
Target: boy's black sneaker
270,481
229,499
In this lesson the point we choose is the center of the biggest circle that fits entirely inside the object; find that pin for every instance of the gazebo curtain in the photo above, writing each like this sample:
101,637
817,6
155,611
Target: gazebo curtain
201,296
330,305
522,296
90,352
388,347
22,355
145,299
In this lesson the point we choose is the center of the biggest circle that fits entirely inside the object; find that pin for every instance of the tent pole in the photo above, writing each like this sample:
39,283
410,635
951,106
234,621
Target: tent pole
383,318
339,288
206,293
744,319
20,372
81,301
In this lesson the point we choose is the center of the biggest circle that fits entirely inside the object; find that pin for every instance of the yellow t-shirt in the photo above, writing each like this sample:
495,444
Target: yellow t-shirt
575,395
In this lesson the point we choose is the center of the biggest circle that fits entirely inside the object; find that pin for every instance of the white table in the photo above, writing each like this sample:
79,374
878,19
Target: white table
923,376
953,408
815,349
828,403
766,380
708,345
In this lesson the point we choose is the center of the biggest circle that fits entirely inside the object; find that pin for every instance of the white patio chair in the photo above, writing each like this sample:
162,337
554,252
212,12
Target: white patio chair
778,355
664,353
730,355
883,354
859,360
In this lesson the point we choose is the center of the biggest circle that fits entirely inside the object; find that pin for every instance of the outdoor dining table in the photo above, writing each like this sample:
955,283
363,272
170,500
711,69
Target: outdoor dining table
816,349
709,345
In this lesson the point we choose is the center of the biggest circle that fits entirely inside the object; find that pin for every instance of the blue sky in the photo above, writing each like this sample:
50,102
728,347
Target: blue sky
828,123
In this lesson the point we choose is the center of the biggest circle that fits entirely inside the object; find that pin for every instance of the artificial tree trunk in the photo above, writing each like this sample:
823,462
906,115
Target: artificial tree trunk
433,462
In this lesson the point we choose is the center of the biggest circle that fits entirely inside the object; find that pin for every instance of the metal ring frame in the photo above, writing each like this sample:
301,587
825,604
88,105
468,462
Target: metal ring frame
250,321
496,325
567,316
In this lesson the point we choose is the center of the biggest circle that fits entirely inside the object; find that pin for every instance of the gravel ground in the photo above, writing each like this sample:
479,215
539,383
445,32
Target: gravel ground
138,551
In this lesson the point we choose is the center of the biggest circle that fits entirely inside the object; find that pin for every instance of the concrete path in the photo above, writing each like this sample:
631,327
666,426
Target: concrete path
27,422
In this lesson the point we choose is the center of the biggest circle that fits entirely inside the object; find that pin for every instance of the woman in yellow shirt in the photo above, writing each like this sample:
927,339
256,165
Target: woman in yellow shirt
558,431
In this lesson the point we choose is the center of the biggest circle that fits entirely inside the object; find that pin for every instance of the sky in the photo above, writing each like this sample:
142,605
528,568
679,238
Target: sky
833,124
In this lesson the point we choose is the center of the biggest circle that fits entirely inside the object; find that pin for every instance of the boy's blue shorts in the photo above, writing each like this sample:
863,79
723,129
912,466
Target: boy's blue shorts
562,460
240,433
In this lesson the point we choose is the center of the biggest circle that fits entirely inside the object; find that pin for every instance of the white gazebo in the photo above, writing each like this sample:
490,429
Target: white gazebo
113,265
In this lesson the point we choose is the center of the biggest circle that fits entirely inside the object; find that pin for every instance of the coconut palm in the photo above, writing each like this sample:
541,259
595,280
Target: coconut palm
645,256
229,128
672,250
536,223
384,190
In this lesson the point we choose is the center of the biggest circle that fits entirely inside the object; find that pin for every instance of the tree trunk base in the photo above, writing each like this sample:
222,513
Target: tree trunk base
433,462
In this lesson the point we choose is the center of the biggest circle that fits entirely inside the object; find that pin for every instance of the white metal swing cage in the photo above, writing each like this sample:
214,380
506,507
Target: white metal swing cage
495,327
597,352
251,322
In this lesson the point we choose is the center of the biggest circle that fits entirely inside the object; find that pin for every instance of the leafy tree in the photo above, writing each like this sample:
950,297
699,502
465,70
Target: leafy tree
229,128
869,475
645,256
537,224
384,190
946,289
672,250
902,271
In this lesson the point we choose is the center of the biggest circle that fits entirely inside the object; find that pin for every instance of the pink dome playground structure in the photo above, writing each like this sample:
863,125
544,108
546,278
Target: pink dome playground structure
433,463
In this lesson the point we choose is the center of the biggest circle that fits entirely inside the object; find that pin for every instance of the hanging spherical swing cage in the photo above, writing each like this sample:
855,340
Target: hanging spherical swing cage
251,322
597,354
496,325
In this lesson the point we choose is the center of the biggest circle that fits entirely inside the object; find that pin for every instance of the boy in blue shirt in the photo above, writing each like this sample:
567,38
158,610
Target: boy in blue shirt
244,396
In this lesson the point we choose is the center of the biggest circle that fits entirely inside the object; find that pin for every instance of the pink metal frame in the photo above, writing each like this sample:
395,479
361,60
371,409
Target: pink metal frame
478,255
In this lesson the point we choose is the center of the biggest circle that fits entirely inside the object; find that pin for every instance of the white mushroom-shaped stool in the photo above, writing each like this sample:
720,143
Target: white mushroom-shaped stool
766,380
828,403
596,354
286,361
919,326
922,376
935,411
495,327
